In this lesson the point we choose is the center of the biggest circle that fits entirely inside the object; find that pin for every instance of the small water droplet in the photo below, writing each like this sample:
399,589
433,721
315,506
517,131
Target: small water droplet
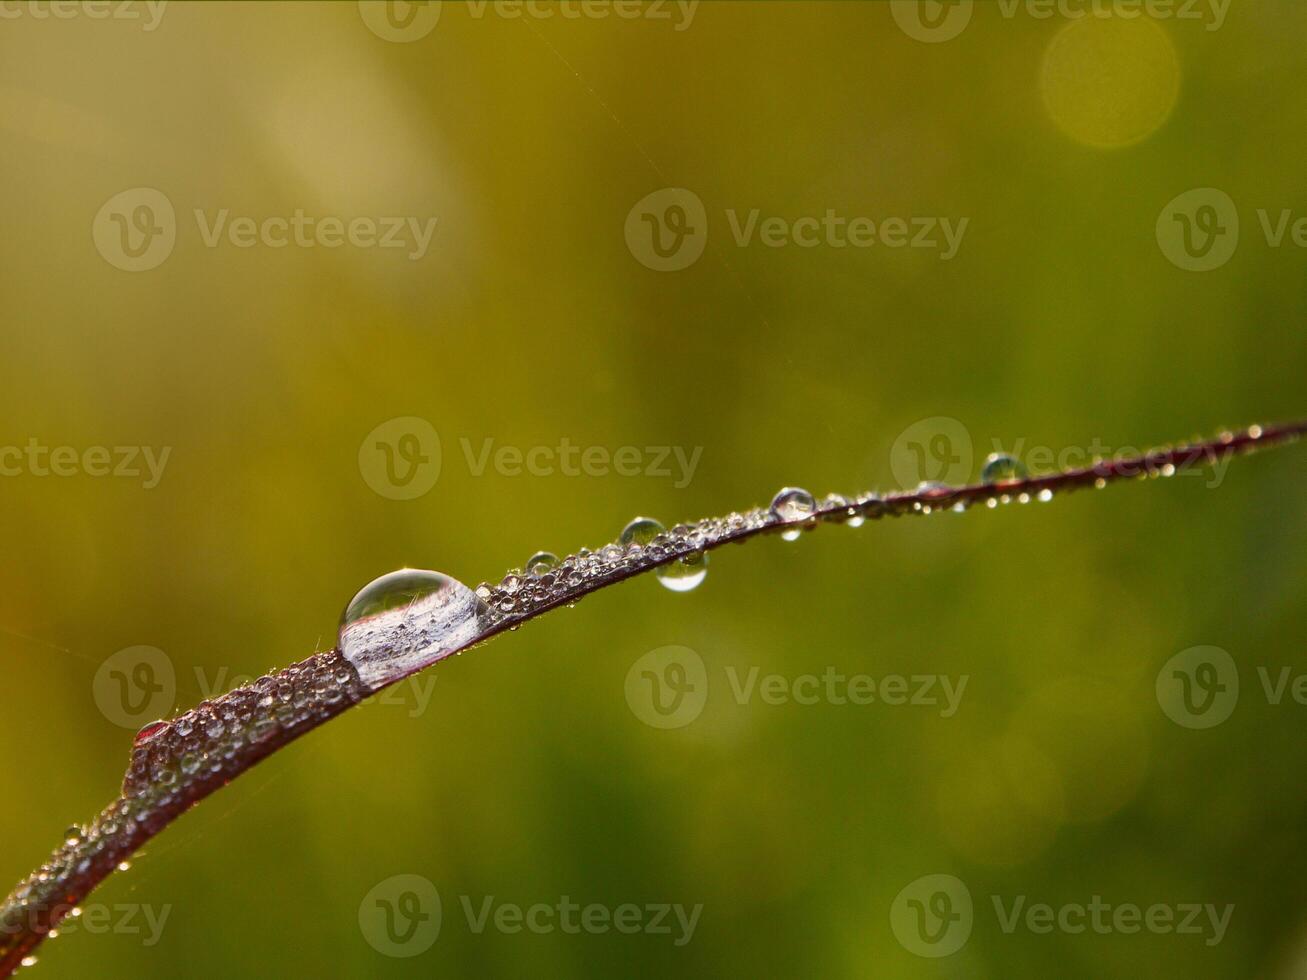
405,620
540,562
1045,495
27,961
792,504
73,835
149,731
1002,468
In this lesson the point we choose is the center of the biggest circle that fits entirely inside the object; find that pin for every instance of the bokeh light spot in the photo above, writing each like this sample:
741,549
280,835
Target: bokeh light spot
1110,81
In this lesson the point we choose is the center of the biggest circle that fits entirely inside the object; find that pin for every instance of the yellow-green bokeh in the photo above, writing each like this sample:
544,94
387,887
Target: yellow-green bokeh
1064,319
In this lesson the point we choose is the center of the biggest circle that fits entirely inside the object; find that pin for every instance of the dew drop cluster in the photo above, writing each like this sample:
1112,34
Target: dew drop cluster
173,765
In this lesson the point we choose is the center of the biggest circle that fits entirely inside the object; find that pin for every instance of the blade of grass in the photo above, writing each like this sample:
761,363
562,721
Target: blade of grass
177,765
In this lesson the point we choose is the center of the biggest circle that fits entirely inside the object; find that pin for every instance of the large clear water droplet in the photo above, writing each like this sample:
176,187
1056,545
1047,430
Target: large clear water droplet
641,531
406,620
1002,468
681,575
541,562
792,504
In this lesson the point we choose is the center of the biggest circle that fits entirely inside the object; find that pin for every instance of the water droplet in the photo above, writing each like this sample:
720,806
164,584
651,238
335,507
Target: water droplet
73,835
792,504
149,731
540,562
1045,495
641,531
405,620
27,961
683,574
1002,468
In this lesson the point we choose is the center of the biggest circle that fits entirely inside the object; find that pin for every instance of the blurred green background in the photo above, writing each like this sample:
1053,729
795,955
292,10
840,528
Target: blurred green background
1065,318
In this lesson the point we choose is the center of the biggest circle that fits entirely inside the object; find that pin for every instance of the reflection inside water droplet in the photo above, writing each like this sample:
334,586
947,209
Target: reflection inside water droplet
641,531
681,575
685,573
540,562
1001,468
405,620
149,731
792,504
